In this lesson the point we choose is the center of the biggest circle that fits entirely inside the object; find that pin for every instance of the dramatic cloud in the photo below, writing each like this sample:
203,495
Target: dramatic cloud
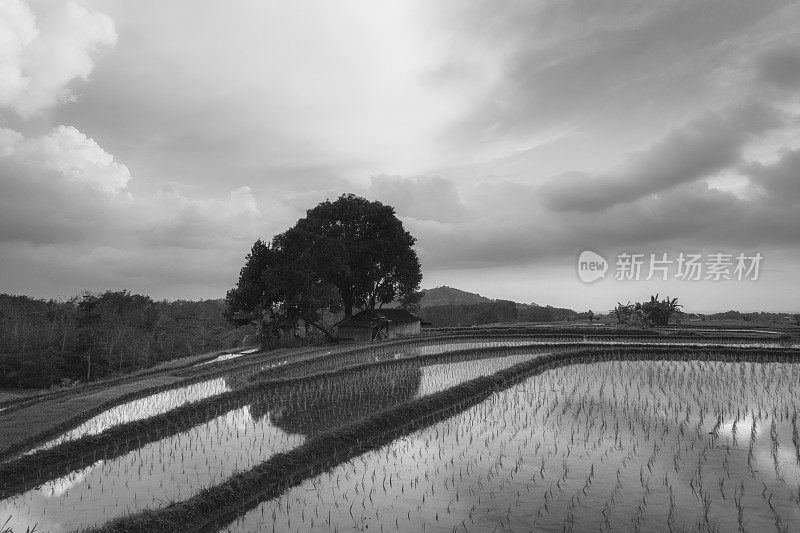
146,145
38,59
512,227
592,64
698,149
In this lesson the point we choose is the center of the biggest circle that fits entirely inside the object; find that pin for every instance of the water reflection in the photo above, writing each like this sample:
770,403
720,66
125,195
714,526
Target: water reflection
326,404
619,445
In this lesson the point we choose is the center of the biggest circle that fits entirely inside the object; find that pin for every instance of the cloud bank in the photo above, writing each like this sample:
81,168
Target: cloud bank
150,152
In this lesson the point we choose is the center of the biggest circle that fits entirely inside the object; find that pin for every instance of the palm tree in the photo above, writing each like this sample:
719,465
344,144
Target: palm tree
623,312
660,312
672,308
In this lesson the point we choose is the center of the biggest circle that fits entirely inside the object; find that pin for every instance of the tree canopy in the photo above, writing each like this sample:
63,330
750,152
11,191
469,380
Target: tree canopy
372,261
652,313
349,253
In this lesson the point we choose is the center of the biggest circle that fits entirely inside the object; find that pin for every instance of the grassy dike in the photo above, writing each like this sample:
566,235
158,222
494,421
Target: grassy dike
243,491
353,357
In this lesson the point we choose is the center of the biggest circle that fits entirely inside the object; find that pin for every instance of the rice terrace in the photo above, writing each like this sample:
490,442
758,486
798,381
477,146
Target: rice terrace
488,428
399,267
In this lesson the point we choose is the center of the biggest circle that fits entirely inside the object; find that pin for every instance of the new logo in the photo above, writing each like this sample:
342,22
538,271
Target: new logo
591,266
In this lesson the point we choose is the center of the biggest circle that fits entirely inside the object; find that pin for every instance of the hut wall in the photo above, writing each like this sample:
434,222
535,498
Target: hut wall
358,334
404,329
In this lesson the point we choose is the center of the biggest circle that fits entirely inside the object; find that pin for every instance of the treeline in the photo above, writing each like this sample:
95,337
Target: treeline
535,313
470,314
46,342
756,317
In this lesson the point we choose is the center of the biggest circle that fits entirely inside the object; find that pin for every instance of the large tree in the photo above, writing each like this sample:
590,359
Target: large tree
280,284
369,255
350,253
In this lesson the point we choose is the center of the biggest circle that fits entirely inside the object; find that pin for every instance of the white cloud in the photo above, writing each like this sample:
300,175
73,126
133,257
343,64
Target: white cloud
38,61
243,201
69,153
17,32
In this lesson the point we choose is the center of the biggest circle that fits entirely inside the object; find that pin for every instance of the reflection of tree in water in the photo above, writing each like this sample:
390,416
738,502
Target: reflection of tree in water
323,404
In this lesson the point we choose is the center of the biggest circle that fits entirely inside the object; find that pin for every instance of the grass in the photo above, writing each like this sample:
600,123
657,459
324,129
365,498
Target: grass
5,528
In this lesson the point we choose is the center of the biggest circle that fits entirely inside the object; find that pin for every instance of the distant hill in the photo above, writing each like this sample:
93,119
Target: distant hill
450,296
448,306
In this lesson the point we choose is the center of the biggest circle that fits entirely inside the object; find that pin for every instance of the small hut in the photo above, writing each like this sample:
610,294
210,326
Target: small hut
376,324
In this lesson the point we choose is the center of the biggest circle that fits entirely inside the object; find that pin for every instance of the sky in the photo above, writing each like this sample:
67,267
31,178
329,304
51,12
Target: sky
146,145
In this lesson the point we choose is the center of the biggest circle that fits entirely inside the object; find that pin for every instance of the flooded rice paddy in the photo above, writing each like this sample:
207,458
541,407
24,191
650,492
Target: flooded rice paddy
228,356
141,408
164,401
616,445
178,466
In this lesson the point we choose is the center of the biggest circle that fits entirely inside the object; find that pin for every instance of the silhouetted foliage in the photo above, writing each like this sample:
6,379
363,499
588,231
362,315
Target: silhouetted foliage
659,313
281,284
535,313
471,314
44,342
622,312
368,254
755,317
350,253
648,314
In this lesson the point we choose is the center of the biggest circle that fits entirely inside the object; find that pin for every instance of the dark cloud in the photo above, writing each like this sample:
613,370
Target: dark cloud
513,228
780,67
698,149
781,179
38,207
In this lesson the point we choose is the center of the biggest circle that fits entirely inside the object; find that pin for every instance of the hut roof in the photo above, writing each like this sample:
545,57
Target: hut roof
371,318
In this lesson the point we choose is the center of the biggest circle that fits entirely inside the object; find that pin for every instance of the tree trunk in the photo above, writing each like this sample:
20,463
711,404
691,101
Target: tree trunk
269,337
328,334
262,334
